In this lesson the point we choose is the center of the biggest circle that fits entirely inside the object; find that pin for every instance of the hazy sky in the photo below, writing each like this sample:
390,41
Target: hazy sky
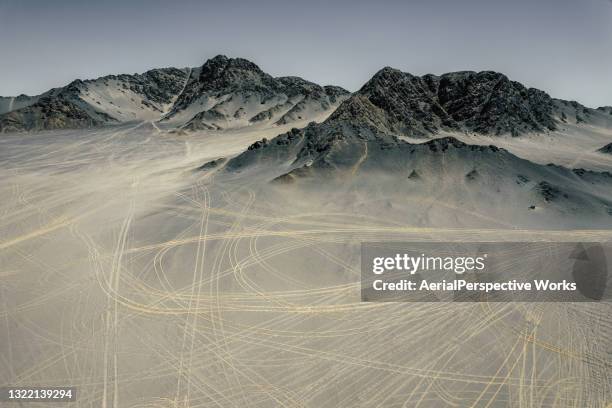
563,47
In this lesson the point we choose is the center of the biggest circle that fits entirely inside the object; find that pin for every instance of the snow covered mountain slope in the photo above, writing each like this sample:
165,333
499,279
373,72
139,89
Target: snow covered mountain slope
233,92
366,151
106,100
223,93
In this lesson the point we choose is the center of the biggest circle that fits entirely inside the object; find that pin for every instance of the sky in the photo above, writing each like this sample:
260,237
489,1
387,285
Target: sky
562,47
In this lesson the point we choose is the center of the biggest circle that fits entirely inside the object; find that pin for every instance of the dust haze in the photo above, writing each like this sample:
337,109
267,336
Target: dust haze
141,281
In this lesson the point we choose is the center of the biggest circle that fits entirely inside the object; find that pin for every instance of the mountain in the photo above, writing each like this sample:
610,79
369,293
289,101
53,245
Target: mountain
227,92
106,100
394,104
361,147
224,92
481,102
344,162
235,93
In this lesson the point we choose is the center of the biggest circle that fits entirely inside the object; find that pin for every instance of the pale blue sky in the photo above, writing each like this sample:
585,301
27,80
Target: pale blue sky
563,47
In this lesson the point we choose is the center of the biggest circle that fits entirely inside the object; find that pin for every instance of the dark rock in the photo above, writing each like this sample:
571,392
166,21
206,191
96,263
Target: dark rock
522,179
548,191
258,144
483,102
222,76
472,175
212,164
606,149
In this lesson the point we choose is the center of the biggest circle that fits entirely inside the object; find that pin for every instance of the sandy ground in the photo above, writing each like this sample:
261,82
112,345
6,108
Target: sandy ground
145,284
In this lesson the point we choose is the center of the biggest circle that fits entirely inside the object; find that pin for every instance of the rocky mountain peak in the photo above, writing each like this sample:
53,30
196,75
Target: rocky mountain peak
385,77
230,92
605,109
234,92
225,69
484,102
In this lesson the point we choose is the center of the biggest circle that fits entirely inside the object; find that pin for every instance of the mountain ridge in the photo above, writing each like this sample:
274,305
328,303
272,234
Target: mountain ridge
343,158
364,143
484,102
234,92
162,94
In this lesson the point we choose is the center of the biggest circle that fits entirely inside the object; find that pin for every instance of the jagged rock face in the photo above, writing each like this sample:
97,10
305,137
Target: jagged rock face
224,92
107,100
407,101
233,92
221,75
158,85
335,93
343,156
488,102
338,145
360,148
483,102
53,112
359,110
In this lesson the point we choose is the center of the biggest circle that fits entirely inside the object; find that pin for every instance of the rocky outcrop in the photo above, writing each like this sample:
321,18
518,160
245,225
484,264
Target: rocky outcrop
56,111
107,100
483,102
224,92
234,92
